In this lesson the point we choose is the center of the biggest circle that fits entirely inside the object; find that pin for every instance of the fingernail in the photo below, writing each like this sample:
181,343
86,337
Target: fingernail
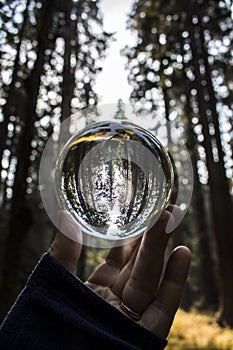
171,225
175,218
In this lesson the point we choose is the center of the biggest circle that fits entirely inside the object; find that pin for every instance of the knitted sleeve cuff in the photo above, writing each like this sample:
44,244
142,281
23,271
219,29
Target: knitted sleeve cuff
58,311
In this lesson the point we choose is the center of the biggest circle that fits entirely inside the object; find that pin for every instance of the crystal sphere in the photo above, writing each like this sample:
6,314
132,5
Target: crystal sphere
113,178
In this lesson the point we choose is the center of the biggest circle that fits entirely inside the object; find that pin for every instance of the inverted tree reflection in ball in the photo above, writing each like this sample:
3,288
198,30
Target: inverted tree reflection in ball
112,178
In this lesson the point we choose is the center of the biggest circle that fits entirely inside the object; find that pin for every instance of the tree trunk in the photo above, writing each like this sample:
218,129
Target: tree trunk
70,37
207,278
21,216
10,106
219,191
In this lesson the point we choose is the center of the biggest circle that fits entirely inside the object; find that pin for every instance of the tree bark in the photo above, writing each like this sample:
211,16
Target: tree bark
21,217
207,278
219,190
70,38
10,106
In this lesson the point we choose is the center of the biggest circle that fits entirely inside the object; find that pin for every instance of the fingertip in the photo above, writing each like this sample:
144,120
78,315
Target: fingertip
175,218
66,251
67,244
183,251
171,224
178,264
69,227
159,222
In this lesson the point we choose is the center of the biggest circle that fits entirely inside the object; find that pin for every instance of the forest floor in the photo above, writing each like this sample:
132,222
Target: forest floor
195,330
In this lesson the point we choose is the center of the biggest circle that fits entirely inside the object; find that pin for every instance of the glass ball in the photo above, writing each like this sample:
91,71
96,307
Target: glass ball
113,178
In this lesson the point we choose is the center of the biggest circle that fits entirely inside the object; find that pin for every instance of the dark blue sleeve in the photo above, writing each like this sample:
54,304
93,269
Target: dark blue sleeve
57,311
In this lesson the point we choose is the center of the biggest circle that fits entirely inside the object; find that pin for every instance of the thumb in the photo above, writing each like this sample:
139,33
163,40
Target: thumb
64,249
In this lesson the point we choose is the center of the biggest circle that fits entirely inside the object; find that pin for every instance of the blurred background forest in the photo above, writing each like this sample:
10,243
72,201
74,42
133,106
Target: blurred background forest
180,69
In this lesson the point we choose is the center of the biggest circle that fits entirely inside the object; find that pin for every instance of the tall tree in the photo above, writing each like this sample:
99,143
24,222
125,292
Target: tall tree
184,49
219,190
60,45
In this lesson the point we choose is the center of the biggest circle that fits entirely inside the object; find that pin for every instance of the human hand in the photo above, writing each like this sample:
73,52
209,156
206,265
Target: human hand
132,274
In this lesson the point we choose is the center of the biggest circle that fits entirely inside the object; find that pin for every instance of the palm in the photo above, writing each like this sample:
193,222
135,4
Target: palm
110,278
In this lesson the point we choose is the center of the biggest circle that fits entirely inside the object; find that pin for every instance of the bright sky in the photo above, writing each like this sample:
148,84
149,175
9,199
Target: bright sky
111,83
